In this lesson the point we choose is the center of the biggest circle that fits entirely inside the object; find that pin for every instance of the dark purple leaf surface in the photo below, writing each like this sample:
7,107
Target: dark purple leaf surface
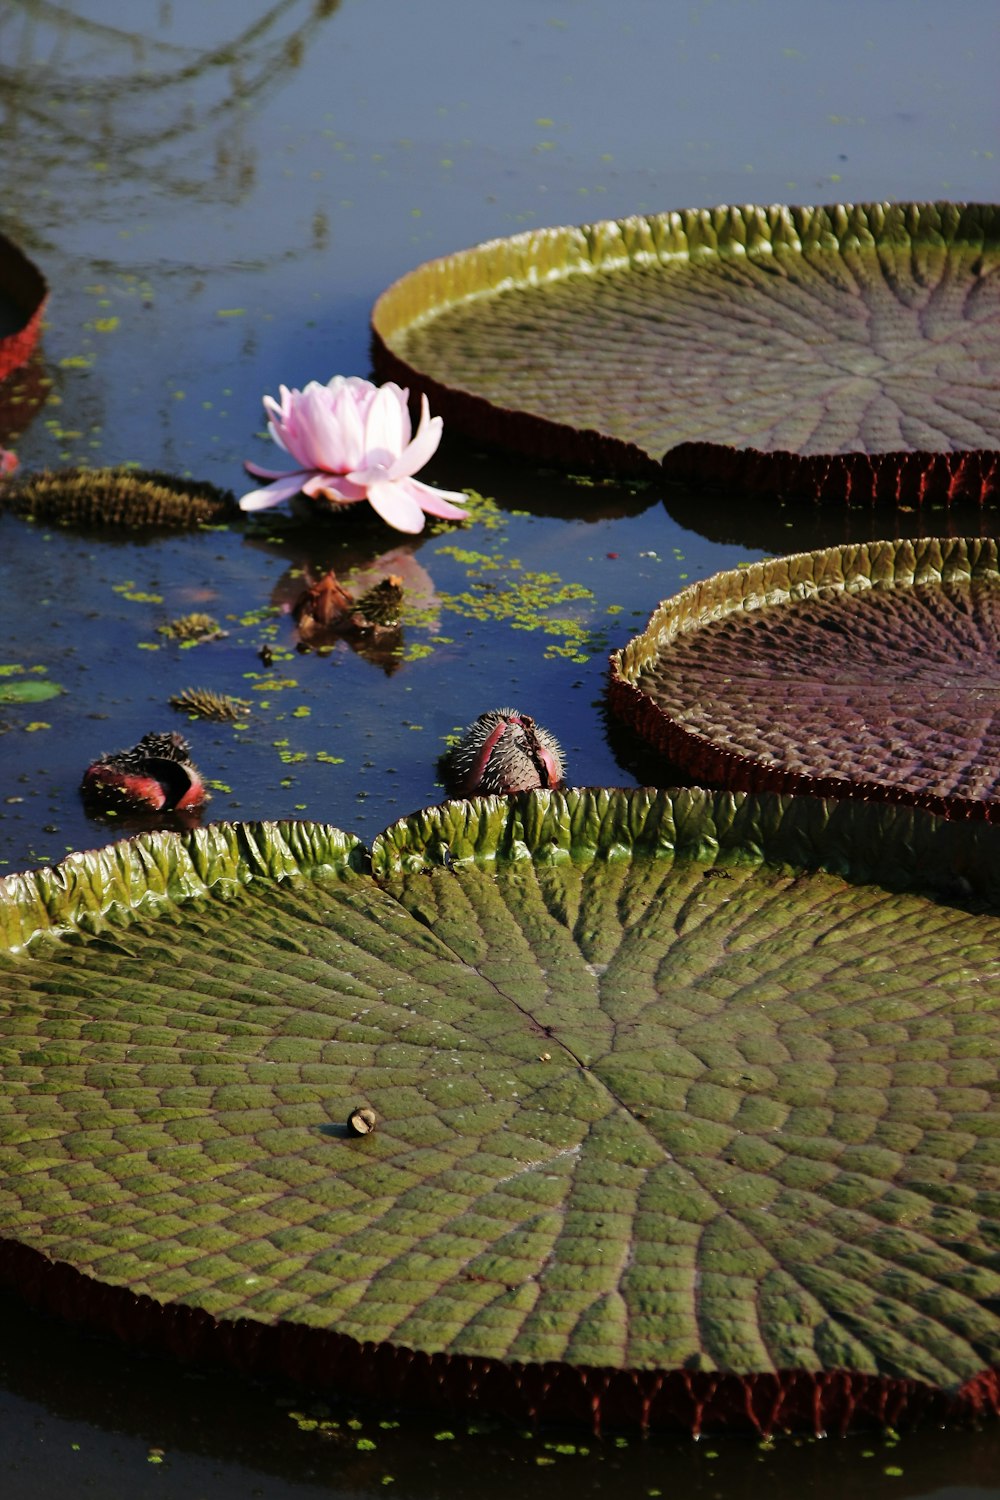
858,671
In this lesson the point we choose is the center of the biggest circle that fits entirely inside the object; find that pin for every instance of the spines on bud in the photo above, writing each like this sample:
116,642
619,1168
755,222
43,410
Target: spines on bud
156,774
502,752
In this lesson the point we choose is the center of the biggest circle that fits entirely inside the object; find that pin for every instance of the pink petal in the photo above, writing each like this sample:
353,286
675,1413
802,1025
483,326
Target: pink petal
435,502
368,474
272,494
278,415
387,427
423,447
347,415
336,485
260,473
315,443
395,505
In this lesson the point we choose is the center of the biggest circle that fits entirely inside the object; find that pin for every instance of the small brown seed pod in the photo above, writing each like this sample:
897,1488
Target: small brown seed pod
504,751
362,1121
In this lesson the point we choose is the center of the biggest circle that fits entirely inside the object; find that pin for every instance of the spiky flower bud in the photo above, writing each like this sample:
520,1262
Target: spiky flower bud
504,751
157,773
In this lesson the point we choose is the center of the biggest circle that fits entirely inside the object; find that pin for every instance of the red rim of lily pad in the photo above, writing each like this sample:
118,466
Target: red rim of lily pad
23,284
839,352
863,671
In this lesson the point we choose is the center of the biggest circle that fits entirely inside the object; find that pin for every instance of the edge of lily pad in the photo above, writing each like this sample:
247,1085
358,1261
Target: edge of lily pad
693,1401
93,888
909,848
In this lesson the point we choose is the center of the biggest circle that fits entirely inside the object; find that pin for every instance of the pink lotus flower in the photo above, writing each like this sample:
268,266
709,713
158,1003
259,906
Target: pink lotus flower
8,462
353,441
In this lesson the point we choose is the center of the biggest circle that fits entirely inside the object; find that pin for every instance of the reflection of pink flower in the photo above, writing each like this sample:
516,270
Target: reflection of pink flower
8,461
352,441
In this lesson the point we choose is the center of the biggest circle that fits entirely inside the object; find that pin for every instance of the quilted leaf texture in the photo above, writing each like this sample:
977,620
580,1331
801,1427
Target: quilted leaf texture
685,1097
846,352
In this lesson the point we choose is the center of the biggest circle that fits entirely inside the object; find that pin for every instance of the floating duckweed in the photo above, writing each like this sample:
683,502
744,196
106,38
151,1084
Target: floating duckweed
136,595
202,703
523,600
116,497
192,628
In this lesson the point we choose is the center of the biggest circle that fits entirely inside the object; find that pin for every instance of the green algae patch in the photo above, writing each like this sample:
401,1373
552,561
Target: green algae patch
662,1083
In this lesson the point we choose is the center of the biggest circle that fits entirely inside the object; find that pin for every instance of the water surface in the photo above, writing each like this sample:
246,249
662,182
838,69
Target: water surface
217,194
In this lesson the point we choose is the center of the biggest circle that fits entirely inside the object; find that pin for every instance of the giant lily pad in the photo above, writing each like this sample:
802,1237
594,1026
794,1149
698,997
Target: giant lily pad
850,351
685,1104
859,671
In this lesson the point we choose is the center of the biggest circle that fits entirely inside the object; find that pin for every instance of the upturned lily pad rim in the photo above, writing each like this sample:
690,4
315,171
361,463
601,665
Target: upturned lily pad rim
538,256
900,847
854,567
24,284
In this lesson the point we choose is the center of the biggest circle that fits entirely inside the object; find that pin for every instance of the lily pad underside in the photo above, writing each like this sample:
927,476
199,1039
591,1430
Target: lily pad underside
849,352
23,294
868,670
685,1105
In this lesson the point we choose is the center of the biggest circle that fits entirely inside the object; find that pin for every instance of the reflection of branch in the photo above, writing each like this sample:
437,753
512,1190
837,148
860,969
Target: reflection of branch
46,93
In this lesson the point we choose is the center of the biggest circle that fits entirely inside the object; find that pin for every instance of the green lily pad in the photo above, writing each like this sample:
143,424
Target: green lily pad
685,1103
29,690
844,352
860,671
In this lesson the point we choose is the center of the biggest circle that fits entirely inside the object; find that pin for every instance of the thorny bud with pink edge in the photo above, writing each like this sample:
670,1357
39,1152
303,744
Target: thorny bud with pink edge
504,751
157,774
352,440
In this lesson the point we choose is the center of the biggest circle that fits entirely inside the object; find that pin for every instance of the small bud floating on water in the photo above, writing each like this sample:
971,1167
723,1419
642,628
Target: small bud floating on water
157,773
504,751
8,462
352,440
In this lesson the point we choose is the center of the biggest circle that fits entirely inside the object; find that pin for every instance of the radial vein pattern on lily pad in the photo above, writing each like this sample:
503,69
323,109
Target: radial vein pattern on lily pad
863,670
847,351
654,1089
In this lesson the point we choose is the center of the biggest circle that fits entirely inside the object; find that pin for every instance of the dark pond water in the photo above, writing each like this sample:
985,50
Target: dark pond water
217,194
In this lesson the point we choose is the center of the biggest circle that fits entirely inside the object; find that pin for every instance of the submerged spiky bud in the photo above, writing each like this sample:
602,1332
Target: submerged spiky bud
157,773
505,751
